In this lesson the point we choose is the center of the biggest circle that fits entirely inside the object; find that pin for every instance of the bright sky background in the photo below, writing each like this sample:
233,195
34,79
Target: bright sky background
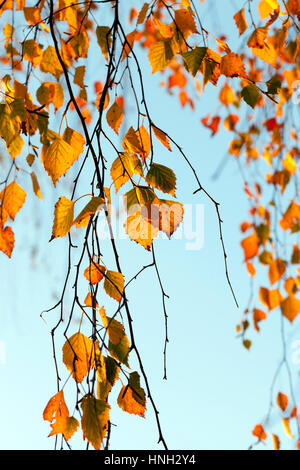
216,390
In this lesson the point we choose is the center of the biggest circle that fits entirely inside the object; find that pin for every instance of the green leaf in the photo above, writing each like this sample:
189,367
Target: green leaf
162,178
274,84
120,351
104,39
193,59
251,95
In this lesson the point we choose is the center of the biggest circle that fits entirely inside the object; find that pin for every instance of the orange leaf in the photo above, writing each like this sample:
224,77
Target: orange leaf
227,95
258,315
290,307
161,136
240,21
276,270
259,432
270,298
250,246
57,411
232,66
78,355
114,117
276,442
12,198
282,401
7,240
94,273
185,21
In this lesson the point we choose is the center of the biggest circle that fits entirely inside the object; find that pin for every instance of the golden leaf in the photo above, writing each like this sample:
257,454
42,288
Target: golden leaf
12,198
78,355
114,284
63,217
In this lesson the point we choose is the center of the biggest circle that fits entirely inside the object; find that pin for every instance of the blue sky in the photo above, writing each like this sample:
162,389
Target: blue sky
216,390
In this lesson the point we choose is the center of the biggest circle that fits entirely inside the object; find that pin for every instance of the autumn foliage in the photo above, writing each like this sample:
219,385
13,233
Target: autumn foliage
49,91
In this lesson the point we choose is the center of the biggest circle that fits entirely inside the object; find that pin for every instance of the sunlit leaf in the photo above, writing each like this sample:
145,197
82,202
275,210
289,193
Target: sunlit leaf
132,397
94,273
94,421
114,284
162,178
78,356
12,198
63,217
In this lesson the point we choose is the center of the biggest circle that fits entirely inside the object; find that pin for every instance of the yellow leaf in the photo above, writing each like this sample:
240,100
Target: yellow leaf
114,117
227,95
14,147
50,62
36,186
140,230
267,53
115,329
78,356
50,92
160,55
63,217
94,420
289,163
286,427
114,285
12,198
75,139
93,206
124,167
57,158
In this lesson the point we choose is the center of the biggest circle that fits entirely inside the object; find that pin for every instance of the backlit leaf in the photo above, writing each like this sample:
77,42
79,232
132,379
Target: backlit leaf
12,198
240,21
63,217
58,157
132,398
94,273
282,401
78,355
7,240
114,117
114,284
270,298
194,58
124,167
50,62
93,206
94,421
160,55
290,307
162,178
36,186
